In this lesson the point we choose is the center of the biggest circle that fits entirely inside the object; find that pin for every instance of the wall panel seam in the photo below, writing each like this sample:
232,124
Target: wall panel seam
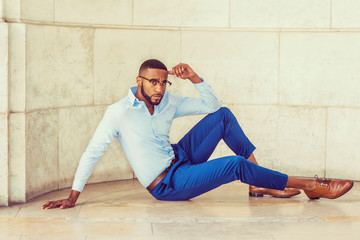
8,113
180,36
278,87
8,68
25,67
174,28
54,9
240,104
330,14
229,12
57,148
326,134
132,12
93,66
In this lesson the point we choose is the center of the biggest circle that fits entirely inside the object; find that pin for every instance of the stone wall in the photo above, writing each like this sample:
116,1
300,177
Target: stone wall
4,111
288,70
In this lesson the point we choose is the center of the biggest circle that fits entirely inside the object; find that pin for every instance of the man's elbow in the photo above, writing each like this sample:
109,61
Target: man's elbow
215,107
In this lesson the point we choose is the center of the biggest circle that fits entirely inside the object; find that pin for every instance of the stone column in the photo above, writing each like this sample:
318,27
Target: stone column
4,112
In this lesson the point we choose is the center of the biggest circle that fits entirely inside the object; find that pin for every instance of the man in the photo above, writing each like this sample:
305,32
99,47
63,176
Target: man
141,122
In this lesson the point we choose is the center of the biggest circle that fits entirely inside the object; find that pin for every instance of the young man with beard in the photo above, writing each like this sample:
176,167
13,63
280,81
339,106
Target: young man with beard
141,122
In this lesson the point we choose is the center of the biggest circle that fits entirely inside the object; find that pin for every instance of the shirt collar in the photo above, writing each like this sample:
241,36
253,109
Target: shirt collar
131,95
134,101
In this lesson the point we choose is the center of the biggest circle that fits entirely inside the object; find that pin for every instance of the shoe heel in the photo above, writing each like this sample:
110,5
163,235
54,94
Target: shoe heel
251,194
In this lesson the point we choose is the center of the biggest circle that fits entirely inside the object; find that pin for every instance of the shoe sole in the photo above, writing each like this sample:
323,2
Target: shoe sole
337,196
251,194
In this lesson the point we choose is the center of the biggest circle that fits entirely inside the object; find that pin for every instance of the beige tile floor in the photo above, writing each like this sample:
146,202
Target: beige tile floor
125,210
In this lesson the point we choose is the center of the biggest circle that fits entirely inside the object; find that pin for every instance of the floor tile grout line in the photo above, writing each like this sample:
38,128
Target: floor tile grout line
17,212
262,219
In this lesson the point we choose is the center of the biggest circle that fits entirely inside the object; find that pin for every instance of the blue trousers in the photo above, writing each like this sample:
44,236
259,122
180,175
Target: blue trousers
194,175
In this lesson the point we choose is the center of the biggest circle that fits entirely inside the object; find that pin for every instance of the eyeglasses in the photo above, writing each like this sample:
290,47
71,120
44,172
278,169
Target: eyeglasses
155,82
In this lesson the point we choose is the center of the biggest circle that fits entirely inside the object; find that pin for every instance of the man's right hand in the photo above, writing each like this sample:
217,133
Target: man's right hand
64,203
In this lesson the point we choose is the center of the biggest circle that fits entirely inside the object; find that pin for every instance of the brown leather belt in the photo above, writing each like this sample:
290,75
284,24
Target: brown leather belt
161,176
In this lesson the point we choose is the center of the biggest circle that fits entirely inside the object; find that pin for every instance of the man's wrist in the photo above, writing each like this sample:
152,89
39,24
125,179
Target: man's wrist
73,196
195,79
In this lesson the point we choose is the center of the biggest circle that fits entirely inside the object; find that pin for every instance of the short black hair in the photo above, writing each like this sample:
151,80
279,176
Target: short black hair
152,63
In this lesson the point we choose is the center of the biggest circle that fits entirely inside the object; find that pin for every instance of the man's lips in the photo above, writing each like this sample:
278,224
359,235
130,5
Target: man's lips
157,96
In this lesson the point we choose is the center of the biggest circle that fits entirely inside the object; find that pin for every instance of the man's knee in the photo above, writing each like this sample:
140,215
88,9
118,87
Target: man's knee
225,113
241,161
224,110
244,169
236,162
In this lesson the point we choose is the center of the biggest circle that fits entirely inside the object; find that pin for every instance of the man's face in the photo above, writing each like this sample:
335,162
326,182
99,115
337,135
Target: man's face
152,93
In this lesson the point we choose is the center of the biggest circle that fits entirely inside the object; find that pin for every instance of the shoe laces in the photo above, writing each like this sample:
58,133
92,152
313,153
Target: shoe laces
323,181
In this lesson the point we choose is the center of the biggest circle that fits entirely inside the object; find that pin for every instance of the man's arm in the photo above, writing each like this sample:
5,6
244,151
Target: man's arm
208,103
103,136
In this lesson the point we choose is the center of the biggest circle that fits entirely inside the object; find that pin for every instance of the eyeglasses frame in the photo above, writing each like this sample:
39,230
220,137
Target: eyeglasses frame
157,82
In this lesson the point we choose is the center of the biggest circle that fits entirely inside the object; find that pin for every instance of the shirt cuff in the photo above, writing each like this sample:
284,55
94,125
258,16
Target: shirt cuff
200,82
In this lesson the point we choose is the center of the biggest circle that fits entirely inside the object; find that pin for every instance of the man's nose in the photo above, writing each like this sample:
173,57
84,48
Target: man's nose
158,87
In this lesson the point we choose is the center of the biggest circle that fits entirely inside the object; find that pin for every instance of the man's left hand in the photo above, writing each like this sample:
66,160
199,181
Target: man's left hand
184,71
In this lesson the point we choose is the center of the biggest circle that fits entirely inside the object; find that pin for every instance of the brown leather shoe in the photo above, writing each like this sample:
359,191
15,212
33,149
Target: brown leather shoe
329,188
260,192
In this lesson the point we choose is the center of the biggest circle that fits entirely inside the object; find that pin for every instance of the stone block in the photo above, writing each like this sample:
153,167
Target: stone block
259,124
17,66
342,152
241,67
280,14
1,11
182,13
59,67
12,10
4,170
4,90
345,14
95,12
77,126
42,165
17,159
118,55
320,69
37,10
287,139
300,145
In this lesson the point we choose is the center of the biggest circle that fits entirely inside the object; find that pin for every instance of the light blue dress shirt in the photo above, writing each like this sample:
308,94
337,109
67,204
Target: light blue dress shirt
143,137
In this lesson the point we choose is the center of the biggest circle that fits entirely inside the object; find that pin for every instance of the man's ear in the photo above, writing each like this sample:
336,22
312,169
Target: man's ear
138,81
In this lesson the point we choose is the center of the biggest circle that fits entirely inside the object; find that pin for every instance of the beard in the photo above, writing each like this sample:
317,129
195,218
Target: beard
148,98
